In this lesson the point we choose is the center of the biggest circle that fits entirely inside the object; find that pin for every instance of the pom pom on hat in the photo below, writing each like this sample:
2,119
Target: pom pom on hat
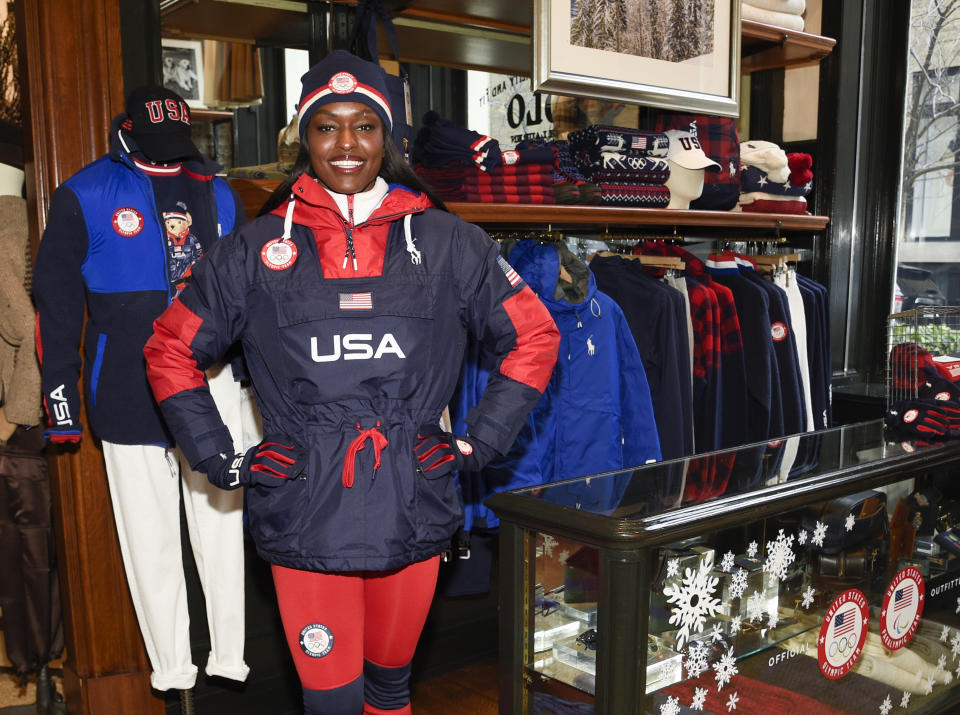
343,77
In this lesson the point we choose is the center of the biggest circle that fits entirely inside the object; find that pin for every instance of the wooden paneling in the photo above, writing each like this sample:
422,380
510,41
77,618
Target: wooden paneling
72,84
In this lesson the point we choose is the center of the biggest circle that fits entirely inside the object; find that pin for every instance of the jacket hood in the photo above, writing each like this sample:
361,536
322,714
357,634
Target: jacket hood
122,145
314,202
540,264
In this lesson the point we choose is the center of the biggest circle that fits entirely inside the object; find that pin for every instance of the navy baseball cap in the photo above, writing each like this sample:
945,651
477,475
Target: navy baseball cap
159,122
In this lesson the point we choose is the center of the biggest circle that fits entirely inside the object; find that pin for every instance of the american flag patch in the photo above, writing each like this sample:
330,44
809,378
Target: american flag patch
902,598
356,301
844,623
638,143
508,271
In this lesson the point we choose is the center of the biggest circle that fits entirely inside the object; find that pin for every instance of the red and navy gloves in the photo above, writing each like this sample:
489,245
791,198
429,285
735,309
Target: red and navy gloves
269,464
925,418
439,453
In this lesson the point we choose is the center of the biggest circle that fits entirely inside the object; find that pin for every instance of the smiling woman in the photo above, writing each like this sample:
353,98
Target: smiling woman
353,295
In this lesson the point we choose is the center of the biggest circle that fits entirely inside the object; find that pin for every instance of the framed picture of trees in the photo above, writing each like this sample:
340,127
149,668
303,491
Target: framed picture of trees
674,54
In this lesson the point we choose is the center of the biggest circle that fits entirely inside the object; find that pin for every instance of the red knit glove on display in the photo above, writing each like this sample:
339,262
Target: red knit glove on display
926,418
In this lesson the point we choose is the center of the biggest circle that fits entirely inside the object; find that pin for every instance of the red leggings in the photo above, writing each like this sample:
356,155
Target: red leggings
371,615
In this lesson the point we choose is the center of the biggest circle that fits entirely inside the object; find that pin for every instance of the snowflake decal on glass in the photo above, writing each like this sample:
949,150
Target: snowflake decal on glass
564,555
717,633
754,607
802,537
673,568
928,685
773,617
726,563
725,669
735,625
819,533
752,550
808,597
693,600
732,701
738,583
850,522
905,699
948,676
944,634
955,645
699,699
671,707
779,555
941,663
548,544
696,662
886,706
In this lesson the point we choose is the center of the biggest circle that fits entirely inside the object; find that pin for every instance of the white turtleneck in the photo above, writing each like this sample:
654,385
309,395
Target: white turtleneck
364,202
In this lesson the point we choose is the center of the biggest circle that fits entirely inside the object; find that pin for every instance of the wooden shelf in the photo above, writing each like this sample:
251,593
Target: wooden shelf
566,216
489,35
210,115
764,47
253,193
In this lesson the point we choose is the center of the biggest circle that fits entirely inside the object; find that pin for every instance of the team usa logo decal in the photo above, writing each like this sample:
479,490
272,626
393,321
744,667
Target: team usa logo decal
910,416
842,634
778,331
278,255
127,221
343,83
316,640
902,607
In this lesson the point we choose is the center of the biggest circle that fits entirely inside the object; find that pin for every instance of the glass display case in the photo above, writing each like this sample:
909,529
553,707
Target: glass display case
815,574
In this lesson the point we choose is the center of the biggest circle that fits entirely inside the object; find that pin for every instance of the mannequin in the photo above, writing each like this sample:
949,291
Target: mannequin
685,185
687,163
122,235
29,585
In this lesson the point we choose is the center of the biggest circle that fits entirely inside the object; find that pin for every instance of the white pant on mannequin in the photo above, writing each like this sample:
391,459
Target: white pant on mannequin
145,491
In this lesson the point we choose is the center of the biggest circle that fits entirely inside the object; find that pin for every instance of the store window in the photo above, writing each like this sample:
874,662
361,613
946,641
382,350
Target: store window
928,254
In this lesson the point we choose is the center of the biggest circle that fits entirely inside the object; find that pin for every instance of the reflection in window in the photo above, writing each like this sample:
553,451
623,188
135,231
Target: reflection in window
928,264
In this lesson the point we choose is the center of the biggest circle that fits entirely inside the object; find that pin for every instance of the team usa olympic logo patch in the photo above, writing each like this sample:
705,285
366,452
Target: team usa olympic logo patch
842,634
343,83
902,606
127,221
316,640
278,255
510,157
910,415
778,331
943,396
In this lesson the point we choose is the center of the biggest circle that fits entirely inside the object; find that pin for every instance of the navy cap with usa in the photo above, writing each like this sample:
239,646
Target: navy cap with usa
343,77
158,120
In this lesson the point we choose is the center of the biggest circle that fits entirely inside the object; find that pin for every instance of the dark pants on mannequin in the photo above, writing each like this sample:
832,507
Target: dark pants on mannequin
29,588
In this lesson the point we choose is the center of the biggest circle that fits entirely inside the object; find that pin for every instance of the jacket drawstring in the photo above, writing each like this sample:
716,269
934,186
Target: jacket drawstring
358,443
411,246
288,220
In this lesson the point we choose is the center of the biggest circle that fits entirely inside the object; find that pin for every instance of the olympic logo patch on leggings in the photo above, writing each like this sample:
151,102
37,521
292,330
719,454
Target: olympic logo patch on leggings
316,640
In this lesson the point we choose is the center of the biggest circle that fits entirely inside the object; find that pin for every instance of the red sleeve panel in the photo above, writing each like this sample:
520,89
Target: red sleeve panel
532,359
171,364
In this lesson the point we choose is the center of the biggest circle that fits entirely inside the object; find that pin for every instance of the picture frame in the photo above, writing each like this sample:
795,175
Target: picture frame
182,64
645,57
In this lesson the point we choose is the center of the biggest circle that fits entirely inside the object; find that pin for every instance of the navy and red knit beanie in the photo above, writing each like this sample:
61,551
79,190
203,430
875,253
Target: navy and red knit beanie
343,77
